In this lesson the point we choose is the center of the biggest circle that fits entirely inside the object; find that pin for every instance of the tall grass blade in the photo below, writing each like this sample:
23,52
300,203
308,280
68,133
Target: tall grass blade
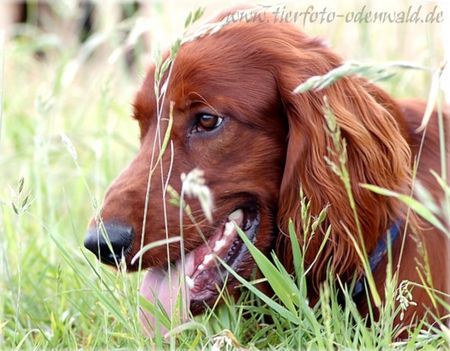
415,205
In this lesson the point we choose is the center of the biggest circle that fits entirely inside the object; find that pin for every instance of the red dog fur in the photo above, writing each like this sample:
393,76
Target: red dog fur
271,144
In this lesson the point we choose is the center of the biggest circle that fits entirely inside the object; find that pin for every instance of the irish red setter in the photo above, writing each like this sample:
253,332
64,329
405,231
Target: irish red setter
236,117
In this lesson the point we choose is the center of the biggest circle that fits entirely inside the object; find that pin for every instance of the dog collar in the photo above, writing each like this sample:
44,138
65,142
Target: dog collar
378,253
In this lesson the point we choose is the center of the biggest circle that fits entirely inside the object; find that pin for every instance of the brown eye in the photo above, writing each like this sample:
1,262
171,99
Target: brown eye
206,122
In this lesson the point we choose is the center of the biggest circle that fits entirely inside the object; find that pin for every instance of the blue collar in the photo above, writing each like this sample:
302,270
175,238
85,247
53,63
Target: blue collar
378,253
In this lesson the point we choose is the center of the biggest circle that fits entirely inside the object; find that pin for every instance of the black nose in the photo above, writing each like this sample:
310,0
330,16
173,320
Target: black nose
110,244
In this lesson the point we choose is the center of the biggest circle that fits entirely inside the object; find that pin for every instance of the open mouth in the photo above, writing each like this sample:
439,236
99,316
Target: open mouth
201,275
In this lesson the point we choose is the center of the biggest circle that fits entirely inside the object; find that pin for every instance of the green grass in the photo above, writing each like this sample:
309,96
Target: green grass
65,134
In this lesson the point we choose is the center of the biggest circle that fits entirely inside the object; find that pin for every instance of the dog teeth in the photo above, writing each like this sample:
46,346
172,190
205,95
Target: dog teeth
219,244
208,258
236,216
229,229
189,282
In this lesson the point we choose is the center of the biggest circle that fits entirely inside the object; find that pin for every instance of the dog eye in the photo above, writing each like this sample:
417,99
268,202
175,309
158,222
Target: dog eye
207,123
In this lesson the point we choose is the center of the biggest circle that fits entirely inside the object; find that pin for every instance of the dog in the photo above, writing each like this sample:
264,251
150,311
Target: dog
229,106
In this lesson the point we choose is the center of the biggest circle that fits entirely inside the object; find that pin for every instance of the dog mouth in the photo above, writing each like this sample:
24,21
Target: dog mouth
199,278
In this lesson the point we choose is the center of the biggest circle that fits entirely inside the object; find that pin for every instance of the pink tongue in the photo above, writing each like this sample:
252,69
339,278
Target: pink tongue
160,286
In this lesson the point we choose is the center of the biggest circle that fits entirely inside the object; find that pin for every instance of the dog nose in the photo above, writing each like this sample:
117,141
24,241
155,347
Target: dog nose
110,244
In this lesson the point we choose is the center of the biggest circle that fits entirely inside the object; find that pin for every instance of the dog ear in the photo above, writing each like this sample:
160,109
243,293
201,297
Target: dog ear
377,153
144,105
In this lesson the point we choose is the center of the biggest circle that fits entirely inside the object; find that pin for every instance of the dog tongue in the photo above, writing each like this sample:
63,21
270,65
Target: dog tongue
161,288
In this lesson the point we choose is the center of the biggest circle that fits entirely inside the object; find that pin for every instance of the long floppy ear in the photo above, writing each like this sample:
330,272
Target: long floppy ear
377,153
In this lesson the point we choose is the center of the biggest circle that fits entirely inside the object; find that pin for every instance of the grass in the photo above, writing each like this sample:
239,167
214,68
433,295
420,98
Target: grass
64,136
